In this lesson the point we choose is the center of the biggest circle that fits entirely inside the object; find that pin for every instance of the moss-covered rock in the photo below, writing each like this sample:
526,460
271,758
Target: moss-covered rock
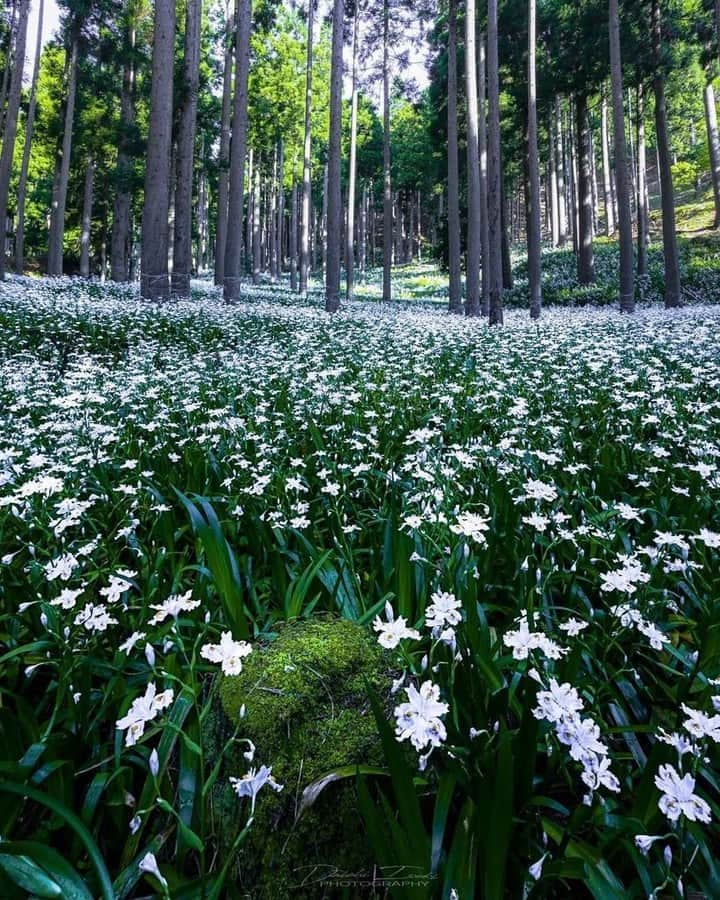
307,712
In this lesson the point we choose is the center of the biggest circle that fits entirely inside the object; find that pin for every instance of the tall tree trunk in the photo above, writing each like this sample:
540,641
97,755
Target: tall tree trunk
334,192
323,220
627,275
571,153
22,186
249,214
672,266
257,228
553,189
307,157
505,236
272,217
560,168
453,178
120,241
713,146
62,170
87,218
352,169
154,280
7,68
534,236
483,147
387,184
474,240
363,229
224,150
586,267
495,267
182,253
642,197
607,174
294,236
238,145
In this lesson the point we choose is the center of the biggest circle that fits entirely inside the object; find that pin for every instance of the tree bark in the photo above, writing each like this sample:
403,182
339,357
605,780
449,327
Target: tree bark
560,168
22,186
586,267
672,266
606,171
352,169
257,228
87,219
713,146
483,147
249,206
281,207
294,237
154,280
495,267
307,158
453,177
272,218
62,170
622,180
534,236
387,183
474,240
642,198
182,253
553,179
120,241
238,145
334,192
224,149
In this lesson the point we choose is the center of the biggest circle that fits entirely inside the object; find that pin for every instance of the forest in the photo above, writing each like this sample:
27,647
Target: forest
359,449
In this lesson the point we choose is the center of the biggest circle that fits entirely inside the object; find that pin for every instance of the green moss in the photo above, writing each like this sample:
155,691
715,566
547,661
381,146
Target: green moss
306,712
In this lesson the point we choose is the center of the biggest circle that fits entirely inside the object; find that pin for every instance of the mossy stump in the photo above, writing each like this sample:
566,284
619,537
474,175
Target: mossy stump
307,712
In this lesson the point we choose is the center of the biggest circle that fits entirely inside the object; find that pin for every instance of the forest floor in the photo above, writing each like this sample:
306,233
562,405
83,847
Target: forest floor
537,503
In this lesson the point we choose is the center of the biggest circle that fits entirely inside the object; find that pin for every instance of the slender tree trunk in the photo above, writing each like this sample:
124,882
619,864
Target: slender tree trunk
607,174
672,266
627,275
182,253
352,169
483,147
593,180
249,206
120,241
87,219
642,198
453,178
495,266
323,220
553,179
713,146
560,168
586,268
387,184
474,240
155,236
62,171
294,237
505,236
281,207
534,236
238,146
9,56
224,150
572,139
363,229
22,187
272,218
307,157
334,192
257,228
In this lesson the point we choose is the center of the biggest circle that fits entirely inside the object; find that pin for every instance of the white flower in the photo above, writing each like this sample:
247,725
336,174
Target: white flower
539,490
709,538
95,618
173,606
536,521
471,525
61,567
678,798
444,609
67,598
251,783
418,720
229,653
143,710
699,725
653,634
149,864
557,703
130,643
394,630
573,627
536,868
644,842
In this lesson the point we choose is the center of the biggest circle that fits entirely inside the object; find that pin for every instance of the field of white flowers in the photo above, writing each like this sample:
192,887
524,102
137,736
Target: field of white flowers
521,524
